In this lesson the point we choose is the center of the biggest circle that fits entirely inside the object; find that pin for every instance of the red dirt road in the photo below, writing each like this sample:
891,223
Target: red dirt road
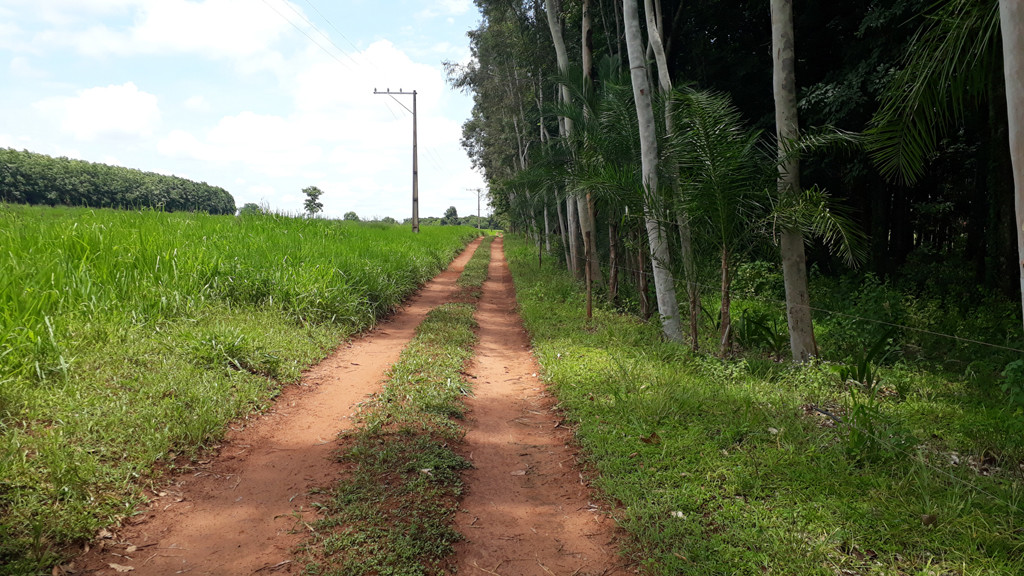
526,511
236,514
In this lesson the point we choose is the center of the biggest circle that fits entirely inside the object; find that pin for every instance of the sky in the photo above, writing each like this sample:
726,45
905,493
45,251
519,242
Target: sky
260,97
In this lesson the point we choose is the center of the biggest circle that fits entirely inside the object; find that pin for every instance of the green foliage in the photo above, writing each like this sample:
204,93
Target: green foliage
29,178
311,204
451,217
353,217
733,467
127,338
250,209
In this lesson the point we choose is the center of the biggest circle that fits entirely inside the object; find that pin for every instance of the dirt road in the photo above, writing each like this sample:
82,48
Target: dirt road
526,510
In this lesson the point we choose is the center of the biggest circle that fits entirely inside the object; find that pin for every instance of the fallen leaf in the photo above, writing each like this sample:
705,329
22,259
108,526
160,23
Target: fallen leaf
131,549
519,472
120,568
652,439
773,431
104,533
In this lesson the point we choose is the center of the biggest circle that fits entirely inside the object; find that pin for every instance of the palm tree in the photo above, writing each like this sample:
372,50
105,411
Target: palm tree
724,175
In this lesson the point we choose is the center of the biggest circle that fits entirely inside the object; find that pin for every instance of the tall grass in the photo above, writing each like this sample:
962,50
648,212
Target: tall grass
128,338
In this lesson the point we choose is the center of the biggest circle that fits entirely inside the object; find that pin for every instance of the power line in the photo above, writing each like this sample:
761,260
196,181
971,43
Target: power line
311,39
319,31
340,33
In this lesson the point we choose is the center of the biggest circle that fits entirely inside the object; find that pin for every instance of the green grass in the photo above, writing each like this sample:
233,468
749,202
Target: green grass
392,513
724,467
128,339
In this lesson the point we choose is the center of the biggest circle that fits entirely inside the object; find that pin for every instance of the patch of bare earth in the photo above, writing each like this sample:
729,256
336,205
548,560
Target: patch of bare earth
526,510
243,511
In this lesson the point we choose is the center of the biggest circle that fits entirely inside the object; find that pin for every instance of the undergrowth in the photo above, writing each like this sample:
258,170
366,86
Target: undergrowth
748,465
129,339
393,511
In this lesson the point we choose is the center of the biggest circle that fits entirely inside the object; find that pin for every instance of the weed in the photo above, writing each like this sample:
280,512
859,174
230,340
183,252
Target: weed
393,512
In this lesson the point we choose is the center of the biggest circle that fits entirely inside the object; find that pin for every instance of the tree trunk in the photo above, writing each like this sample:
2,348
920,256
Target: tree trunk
1011,22
588,223
574,243
547,230
690,270
613,262
562,232
794,262
653,15
664,283
725,335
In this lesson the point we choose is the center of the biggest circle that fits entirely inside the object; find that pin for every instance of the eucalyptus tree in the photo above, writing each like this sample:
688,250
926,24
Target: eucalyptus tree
791,239
664,282
1011,16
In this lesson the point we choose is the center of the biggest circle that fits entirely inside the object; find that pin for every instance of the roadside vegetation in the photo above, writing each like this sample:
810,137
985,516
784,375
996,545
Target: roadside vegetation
899,454
130,339
393,511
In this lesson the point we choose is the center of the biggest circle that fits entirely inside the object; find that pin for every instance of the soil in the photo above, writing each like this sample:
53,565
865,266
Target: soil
527,510
244,509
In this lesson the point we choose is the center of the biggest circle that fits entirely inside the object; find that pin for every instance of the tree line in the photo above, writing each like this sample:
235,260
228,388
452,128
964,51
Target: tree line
665,141
31,178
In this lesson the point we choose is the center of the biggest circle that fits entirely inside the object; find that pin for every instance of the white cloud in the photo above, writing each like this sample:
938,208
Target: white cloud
109,111
197,104
211,28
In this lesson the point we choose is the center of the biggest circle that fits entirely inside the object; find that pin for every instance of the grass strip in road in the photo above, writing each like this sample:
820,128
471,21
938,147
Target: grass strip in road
715,467
393,512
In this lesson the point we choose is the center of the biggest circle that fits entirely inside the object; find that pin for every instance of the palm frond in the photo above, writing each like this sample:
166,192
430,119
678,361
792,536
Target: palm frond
949,65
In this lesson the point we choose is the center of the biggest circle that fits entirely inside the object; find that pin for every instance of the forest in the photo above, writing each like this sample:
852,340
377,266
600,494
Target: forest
855,143
30,178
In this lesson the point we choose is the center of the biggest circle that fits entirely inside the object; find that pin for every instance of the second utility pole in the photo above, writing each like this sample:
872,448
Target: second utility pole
415,161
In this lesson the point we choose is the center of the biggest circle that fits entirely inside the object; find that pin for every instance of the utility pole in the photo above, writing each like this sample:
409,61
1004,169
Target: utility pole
479,195
415,161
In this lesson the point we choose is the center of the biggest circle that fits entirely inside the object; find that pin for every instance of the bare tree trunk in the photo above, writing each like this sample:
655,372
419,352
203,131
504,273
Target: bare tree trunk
574,243
1011,22
664,283
562,231
726,318
643,285
547,230
613,261
794,262
652,11
690,270
588,216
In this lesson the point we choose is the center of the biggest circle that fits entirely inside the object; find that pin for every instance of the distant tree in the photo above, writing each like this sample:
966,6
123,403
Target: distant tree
389,220
451,217
313,206
249,209
351,217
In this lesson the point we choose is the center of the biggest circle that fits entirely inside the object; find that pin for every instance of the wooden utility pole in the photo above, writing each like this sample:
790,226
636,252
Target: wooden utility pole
415,160
479,194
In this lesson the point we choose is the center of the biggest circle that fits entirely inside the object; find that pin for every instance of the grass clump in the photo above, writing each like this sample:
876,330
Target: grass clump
733,467
128,339
392,514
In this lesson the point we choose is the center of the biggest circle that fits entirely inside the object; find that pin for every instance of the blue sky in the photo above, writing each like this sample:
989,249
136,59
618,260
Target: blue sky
261,97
